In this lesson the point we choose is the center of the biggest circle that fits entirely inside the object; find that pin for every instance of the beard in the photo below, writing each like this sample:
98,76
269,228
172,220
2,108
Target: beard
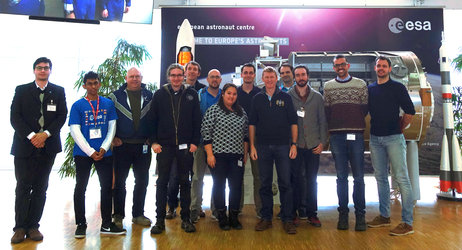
302,83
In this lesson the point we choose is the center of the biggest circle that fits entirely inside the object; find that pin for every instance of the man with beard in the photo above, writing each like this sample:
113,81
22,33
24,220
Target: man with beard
345,99
387,144
207,97
312,136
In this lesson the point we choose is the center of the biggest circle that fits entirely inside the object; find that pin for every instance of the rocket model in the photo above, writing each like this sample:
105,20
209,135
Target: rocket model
185,43
451,162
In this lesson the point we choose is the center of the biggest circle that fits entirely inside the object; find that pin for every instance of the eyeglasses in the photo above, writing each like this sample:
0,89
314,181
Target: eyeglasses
40,68
340,65
179,75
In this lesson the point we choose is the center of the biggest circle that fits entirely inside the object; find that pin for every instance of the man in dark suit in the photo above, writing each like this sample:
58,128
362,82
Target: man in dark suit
38,112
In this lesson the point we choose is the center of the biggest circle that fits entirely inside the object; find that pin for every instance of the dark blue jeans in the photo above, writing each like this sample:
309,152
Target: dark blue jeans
351,151
226,168
104,170
32,174
267,155
309,164
126,156
173,187
164,165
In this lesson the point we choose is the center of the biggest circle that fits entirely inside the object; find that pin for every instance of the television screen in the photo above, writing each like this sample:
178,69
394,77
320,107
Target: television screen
132,11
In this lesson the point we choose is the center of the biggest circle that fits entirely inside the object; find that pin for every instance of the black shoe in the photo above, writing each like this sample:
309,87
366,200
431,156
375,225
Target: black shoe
170,214
187,226
81,231
158,228
223,222
113,230
360,223
202,214
342,221
234,220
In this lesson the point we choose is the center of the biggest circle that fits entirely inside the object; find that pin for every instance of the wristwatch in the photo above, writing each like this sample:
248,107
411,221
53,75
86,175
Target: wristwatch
293,143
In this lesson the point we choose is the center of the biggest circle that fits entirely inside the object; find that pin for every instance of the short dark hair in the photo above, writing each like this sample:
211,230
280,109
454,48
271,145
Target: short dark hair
339,56
90,75
383,58
236,107
193,63
174,66
42,60
286,65
302,67
248,65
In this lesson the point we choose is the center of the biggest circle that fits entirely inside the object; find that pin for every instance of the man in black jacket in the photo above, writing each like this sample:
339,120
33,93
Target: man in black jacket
176,120
38,112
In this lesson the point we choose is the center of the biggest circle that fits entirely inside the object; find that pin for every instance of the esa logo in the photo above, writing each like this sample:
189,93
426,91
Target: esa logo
396,25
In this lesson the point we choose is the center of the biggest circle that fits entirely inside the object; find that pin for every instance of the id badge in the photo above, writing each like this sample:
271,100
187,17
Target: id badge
351,137
301,113
239,163
145,149
51,107
95,133
183,146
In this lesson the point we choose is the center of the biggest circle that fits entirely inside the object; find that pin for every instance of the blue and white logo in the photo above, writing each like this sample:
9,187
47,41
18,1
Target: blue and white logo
397,25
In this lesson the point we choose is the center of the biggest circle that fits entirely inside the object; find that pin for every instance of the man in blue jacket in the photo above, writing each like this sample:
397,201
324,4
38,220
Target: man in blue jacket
113,10
80,9
131,146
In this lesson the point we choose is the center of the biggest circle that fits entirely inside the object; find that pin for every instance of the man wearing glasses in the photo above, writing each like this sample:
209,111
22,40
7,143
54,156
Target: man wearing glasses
38,112
345,100
175,120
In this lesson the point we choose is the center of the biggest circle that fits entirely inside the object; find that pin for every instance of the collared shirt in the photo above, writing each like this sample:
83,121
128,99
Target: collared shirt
346,79
44,87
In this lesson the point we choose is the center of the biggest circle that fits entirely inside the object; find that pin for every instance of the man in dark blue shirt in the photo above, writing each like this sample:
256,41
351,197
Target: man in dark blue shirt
387,144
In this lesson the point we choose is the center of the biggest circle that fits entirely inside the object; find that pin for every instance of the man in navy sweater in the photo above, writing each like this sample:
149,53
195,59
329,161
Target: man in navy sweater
387,144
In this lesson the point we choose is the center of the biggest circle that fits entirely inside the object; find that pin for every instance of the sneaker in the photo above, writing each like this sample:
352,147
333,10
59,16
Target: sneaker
18,236
202,214
379,221
118,220
195,216
187,226
142,220
158,228
81,231
262,225
214,216
302,214
402,229
360,223
314,221
113,230
170,214
289,227
34,234
342,223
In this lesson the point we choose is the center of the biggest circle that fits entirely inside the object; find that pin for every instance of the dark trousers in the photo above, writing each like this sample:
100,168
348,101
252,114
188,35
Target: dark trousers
267,156
104,170
309,163
126,156
32,174
164,165
227,168
173,187
298,186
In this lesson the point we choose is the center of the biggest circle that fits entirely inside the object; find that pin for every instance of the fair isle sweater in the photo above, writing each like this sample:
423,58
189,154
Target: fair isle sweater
226,132
346,105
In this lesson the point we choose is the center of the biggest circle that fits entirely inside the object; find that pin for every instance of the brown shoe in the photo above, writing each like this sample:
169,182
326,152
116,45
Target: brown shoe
379,221
18,236
289,227
263,225
402,229
34,234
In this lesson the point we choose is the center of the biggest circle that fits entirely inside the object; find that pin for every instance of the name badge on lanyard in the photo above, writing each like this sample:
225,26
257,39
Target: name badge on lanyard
95,133
351,137
51,107
301,112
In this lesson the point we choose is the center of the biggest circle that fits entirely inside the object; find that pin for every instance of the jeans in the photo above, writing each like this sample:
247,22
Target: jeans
173,187
352,151
32,174
296,179
309,164
164,165
126,156
267,155
104,170
392,149
226,168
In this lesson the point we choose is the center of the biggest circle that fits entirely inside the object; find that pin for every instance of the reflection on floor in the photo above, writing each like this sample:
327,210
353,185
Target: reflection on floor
437,223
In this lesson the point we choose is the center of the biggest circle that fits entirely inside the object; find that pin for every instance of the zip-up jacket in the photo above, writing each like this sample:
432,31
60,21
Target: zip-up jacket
170,130
273,119
125,127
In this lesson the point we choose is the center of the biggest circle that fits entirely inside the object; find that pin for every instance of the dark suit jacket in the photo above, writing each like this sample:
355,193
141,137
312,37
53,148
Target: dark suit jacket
25,113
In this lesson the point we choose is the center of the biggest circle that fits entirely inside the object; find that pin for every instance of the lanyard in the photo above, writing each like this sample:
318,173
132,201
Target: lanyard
95,113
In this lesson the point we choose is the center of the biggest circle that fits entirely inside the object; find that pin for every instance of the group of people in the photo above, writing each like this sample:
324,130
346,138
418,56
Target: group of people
191,126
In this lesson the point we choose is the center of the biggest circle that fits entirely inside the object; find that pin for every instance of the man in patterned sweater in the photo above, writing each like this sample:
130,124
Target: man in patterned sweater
345,99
